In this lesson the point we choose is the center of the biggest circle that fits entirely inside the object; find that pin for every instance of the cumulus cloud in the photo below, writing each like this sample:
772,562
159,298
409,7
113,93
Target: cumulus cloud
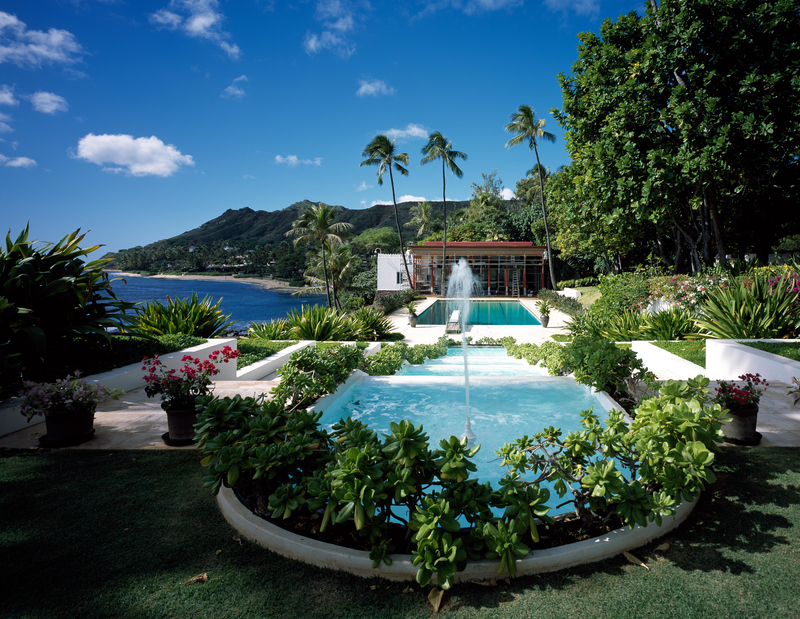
134,156
33,48
405,198
197,18
17,162
234,91
363,186
48,102
338,18
411,131
373,88
294,160
7,96
507,194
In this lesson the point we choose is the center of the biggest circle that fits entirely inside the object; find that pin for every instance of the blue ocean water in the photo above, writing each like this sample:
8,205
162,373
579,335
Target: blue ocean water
246,302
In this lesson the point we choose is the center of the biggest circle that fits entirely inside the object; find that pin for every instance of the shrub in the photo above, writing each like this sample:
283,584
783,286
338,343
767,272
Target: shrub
578,283
604,366
568,305
624,326
273,330
48,296
626,291
392,300
321,324
253,350
370,323
675,323
190,316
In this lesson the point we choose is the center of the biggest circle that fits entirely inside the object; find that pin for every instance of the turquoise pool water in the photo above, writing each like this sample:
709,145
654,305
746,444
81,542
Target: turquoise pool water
484,361
480,313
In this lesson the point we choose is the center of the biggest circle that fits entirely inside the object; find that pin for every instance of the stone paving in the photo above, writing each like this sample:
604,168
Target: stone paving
137,422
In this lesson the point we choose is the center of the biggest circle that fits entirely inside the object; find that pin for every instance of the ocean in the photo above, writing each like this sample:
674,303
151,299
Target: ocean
244,301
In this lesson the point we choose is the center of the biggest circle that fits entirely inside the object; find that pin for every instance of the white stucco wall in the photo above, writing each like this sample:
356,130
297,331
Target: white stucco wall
389,265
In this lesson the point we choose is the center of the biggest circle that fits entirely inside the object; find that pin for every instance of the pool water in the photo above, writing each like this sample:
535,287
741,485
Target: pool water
484,361
480,313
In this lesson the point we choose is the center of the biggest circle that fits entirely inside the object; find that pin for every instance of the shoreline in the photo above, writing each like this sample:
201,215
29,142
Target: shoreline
267,284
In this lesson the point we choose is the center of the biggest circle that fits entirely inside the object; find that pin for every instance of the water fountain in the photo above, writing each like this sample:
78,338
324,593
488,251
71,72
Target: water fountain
461,287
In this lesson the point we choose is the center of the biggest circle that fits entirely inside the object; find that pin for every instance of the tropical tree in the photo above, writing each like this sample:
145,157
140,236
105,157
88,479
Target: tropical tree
341,265
438,147
527,128
423,219
316,225
381,152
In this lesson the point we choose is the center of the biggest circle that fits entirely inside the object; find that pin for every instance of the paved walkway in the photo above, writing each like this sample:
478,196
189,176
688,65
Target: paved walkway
137,422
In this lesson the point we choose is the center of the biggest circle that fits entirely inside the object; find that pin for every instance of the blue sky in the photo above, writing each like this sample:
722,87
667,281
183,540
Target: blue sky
138,120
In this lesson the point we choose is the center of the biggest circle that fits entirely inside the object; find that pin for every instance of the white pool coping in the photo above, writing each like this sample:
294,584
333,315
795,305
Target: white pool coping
357,562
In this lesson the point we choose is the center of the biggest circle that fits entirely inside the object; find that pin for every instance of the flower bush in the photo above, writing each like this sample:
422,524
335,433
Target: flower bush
795,392
730,395
186,383
72,393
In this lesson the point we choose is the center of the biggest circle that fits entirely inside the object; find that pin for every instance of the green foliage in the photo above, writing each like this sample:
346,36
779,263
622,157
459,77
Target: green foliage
320,324
311,373
390,301
371,239
695,352
370,323
624,326
551,355
579,283
626,291
790,350
390,358
604,366
49,294
674,323
190,316
273,330
253,350
568,305
752,308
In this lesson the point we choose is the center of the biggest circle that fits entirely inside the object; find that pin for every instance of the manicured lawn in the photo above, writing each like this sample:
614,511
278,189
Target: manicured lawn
691,351
589,294
253,349
116,533
790,350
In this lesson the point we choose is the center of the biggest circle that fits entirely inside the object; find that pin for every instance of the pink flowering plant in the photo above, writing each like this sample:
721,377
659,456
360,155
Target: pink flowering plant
794,392
72,393
186,383
733,396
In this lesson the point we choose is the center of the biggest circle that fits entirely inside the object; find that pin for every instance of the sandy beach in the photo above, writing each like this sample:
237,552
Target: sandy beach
269,284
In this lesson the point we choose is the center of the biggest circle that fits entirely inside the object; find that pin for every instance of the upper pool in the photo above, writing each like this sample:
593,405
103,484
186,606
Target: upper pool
480,313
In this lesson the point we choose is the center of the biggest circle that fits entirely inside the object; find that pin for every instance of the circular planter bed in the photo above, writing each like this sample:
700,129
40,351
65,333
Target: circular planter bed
358,562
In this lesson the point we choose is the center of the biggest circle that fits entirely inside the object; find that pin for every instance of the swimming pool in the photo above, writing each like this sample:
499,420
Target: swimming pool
480,313
483,361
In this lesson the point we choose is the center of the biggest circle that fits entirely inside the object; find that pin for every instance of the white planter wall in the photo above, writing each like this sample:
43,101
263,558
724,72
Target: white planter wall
265,367
654,357
728,359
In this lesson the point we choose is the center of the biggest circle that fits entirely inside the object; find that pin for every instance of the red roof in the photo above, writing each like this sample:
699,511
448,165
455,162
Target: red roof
477,245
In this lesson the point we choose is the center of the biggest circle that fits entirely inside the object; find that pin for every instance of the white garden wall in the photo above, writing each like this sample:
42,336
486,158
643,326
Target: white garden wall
728,359
391,271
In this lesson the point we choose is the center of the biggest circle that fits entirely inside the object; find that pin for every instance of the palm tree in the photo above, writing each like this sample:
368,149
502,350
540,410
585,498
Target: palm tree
423,218
380,152
527,128
316,225
341,265
439,148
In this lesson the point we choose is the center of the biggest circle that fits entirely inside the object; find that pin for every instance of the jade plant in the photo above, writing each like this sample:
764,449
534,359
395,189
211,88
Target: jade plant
348,476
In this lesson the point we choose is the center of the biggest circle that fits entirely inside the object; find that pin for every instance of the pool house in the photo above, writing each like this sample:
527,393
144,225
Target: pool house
504,269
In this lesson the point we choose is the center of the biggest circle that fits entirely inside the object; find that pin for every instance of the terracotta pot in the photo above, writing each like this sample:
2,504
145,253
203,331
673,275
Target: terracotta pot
66,427
181,417
741,429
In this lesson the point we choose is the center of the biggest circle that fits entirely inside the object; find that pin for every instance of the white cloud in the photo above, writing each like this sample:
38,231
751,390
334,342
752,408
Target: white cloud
405,198
374,88
133,156
248,176
411,131
197,18
7,96
48,102
580,7
363,186
507,194
294,160
33,48
338,18
17,162
233,91
5,128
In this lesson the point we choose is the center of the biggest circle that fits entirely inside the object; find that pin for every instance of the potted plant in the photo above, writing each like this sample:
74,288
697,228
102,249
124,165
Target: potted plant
180,387
68,406
544,313
411,306
742,404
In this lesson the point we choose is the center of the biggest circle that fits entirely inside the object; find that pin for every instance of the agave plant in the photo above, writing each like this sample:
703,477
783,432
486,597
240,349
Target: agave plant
321,324
272,330
371,323
674,323
625,326
751,307
189,315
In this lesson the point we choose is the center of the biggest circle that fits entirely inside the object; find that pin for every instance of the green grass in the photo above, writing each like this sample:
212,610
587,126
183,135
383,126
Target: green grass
327,345
589,294
116,533
694,351
790,350
254,349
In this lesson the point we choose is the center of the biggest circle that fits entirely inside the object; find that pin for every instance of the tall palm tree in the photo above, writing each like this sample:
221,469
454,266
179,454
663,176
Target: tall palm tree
526,127
316,225
423,218
439,148
380,152
341,265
